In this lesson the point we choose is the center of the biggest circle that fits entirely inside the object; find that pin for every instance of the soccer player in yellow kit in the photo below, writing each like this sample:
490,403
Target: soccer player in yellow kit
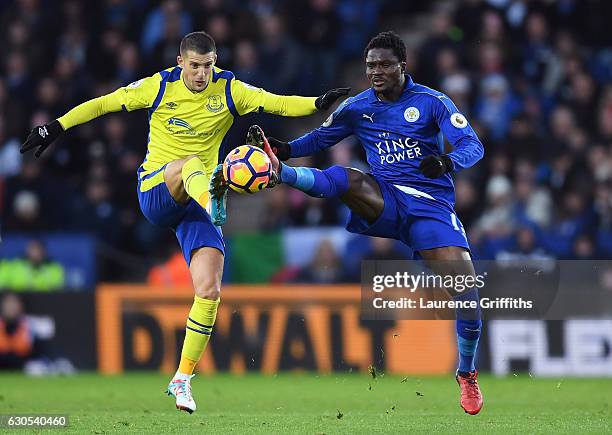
191,108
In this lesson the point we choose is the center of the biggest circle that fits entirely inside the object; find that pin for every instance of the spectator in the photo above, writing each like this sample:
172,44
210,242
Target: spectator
537,52
247,65
95,213
604,118
10,158
166,49
34,272
439,41
575,216
324,268
562,125
16,342
220,29
603,204
358,19
496,106
26,215
106,47
277,44
582,99
458,87
156,23
523,141
172,273
524,248
533,203
49,96
497,218
128,70
317,25
17,76
584,248
447,64
467,201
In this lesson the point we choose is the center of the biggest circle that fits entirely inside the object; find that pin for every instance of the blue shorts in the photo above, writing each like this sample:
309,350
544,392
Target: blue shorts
414,217
190,222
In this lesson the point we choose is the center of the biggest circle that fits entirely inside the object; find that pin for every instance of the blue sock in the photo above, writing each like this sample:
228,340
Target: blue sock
468,325
331,182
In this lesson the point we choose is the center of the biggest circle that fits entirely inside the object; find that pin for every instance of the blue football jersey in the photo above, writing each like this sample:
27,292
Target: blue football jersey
398,135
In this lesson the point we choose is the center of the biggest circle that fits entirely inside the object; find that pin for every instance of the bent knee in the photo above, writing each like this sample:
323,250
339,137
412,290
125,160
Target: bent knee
177,165
183,162
208,291
356,179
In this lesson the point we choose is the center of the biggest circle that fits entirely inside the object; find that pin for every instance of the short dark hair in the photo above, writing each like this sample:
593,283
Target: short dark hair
390,40
199,42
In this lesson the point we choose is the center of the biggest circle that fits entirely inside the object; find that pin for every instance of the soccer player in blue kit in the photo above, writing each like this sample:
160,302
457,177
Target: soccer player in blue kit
409,194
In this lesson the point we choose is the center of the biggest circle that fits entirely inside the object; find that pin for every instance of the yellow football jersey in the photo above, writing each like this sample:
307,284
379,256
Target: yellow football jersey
183,122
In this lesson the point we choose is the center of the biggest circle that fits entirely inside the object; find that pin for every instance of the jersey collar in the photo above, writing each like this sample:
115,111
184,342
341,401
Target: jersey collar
372,98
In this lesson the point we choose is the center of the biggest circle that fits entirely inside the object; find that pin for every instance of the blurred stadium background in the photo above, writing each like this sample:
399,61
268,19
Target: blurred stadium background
89,284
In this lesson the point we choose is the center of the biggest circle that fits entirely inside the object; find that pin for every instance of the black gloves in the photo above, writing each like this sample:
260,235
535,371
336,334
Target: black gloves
436,166
41,137
326,100
281,149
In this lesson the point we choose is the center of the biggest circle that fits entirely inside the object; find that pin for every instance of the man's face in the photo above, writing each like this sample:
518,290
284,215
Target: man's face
384,70
197,68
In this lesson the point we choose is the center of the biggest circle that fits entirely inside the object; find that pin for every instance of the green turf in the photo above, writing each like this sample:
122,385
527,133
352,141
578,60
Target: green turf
310,404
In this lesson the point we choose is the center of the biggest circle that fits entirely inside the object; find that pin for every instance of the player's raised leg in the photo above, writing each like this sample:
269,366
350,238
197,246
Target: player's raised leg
206,270
359,191
456,261
186,178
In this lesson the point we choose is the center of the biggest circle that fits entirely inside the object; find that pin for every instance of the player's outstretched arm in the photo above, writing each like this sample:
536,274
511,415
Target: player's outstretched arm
293,105
137,95
251,99
42,136
335,128
311,143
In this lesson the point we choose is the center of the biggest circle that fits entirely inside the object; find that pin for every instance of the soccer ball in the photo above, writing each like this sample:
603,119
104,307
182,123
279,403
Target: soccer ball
247,169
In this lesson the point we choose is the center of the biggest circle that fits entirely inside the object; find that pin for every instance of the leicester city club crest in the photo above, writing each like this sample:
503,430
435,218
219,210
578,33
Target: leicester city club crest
214,103
411,114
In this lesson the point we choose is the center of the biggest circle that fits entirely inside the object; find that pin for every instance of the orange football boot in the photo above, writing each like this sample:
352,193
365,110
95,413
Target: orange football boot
471,397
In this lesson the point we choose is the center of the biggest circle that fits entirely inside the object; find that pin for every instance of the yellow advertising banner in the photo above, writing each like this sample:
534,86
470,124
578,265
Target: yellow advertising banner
268,329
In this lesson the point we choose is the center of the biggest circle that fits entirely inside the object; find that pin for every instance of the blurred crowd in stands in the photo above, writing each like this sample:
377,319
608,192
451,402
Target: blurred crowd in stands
533,77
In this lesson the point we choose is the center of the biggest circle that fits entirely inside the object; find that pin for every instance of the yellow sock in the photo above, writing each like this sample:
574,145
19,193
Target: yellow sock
199,327
196,181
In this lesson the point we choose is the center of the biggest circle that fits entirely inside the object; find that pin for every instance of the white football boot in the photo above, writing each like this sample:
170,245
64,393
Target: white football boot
181,390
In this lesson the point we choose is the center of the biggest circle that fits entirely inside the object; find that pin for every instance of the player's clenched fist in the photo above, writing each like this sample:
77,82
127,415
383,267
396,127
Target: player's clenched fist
436,166
41,137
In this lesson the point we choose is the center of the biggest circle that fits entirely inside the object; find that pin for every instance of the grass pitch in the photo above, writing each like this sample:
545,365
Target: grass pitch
311,404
